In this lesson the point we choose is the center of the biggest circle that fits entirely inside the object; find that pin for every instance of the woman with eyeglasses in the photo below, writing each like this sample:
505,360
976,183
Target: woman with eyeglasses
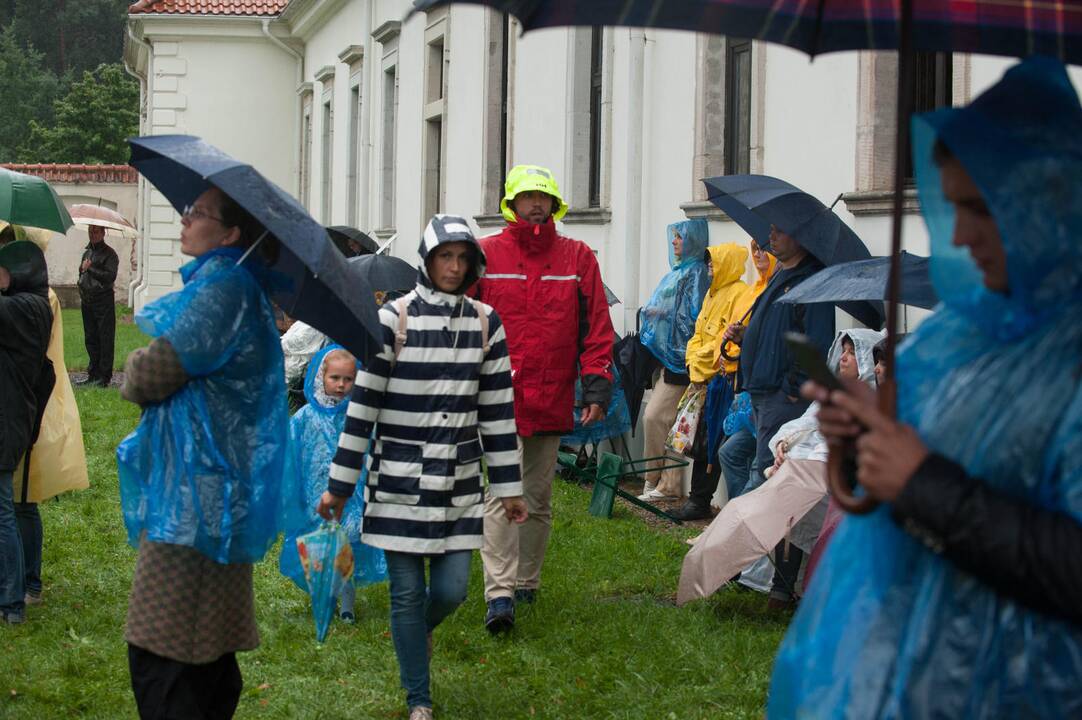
200,476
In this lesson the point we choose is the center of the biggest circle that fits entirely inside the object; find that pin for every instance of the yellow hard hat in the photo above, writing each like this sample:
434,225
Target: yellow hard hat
524,178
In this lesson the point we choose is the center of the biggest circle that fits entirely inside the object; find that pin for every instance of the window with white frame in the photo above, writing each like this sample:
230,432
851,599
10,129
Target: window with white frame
433,143
730,79
589,124
387,36
353,56
497,141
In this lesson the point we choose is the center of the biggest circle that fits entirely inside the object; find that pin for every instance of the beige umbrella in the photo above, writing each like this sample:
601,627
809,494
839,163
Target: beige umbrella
749,527
87,215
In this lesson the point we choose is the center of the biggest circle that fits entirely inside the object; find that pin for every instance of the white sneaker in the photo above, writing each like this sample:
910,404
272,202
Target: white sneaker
419,712
647,489
655,494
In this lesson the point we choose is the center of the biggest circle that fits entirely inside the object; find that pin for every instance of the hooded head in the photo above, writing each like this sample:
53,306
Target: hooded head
727,262
332,358
692,236
1020,143
529,178
864,342
25,262
449,249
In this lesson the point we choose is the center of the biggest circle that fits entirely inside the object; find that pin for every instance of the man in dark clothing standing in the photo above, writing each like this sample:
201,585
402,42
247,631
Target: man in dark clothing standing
768,371
97,273
25,322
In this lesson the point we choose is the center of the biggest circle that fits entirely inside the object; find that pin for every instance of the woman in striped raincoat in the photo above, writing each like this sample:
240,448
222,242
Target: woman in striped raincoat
435,400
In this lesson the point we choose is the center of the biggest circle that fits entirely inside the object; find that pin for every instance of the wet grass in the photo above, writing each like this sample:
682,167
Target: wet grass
604,639
128,337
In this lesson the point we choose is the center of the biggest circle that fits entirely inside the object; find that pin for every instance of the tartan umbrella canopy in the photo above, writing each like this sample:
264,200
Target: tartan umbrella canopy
1016,28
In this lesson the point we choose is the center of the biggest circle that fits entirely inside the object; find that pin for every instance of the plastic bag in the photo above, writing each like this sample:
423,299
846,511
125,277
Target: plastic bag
327,559
688,413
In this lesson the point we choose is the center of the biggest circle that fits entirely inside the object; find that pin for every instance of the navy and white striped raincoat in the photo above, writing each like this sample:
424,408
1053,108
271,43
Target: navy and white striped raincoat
425,419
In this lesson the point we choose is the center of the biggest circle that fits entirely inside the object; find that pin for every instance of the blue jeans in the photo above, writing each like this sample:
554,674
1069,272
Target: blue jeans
416,610
29,519
12,571
735,457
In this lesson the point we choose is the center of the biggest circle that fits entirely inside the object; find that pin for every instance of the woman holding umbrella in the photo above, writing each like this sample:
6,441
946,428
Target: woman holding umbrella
200,476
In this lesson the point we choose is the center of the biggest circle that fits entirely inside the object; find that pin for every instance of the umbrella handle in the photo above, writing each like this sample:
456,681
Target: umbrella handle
841,462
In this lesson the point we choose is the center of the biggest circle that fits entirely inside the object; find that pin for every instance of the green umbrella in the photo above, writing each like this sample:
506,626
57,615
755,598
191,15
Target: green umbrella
29,200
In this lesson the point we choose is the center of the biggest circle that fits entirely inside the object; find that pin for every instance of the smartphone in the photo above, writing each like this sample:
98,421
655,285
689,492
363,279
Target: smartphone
810,361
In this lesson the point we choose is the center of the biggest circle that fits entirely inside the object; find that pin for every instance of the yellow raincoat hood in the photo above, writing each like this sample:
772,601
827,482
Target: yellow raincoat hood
727,262
742,306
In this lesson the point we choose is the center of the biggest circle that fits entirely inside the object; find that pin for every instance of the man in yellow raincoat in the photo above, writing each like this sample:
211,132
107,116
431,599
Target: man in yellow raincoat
58,458
726,264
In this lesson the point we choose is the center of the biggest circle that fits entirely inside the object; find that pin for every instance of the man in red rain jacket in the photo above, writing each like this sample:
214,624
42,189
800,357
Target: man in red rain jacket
547,290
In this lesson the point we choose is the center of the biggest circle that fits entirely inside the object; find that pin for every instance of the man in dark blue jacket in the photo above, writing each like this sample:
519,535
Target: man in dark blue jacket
768,371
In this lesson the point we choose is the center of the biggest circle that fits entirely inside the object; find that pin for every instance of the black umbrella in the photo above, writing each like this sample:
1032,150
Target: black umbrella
867,280
308,278
756,202
346,239
636,365
385,273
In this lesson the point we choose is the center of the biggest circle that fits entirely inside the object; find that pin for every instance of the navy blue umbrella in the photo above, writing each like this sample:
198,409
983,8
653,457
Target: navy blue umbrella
386,273
867,280
308,278
755,202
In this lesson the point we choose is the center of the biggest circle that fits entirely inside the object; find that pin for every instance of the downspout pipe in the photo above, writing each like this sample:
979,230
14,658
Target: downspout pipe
138,284
297,140
633,198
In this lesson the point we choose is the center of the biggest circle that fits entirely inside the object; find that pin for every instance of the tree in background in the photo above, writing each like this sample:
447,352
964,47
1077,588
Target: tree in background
91,122
27,90
74,35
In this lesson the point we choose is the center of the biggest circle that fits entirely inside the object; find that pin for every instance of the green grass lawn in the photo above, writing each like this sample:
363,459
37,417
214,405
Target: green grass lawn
128,337
604,639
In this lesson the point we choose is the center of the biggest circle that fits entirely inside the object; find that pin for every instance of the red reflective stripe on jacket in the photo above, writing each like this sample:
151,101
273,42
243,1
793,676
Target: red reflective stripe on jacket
536,279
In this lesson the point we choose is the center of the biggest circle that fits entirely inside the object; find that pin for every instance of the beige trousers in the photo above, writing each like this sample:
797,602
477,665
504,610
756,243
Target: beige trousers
512,554
658,418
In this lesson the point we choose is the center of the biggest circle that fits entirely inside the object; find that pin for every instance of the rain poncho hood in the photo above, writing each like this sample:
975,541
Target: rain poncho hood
727,262
668,319
313,438
742,306
25,263
890,629
205,467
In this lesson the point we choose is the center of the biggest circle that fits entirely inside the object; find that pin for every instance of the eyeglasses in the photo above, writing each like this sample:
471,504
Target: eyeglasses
193,213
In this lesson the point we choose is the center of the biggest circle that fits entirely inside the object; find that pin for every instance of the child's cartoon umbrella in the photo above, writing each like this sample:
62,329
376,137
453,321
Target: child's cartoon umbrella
327,559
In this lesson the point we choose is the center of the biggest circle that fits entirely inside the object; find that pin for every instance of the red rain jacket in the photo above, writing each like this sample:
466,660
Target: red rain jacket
547,290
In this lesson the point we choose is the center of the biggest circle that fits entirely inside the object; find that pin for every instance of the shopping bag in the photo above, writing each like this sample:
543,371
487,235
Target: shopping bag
327,559
689,410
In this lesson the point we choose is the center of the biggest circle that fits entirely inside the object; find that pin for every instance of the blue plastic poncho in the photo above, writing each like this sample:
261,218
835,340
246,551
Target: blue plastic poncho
313,439
204,467
668,319
617,420
889,629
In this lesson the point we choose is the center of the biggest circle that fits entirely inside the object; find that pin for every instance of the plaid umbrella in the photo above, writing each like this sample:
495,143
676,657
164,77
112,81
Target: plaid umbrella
1016,28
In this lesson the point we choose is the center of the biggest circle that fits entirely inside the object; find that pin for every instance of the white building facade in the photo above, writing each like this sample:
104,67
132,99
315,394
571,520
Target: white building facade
377,121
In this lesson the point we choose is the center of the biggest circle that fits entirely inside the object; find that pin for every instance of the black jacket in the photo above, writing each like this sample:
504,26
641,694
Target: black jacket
25,323
1022,551
97,281
766,365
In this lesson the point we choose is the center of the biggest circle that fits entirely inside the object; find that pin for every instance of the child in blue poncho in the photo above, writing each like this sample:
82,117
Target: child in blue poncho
313,437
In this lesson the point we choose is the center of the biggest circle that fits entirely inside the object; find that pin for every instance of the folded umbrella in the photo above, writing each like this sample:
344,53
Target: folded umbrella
756,202
327,560
29,200
344,236
749,527
867,280
98,216
308,278
635,365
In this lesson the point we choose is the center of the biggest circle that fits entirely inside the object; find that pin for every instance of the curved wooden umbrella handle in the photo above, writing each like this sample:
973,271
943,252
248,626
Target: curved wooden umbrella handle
841,463
725,355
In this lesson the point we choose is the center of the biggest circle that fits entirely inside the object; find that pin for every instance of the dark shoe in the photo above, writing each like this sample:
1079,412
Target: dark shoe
500,616
692,511
781,605
347,617
525,595
12,618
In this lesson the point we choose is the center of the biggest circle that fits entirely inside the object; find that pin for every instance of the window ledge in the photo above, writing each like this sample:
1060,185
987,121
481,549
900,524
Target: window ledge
489,221
880,202
587,216
704,209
